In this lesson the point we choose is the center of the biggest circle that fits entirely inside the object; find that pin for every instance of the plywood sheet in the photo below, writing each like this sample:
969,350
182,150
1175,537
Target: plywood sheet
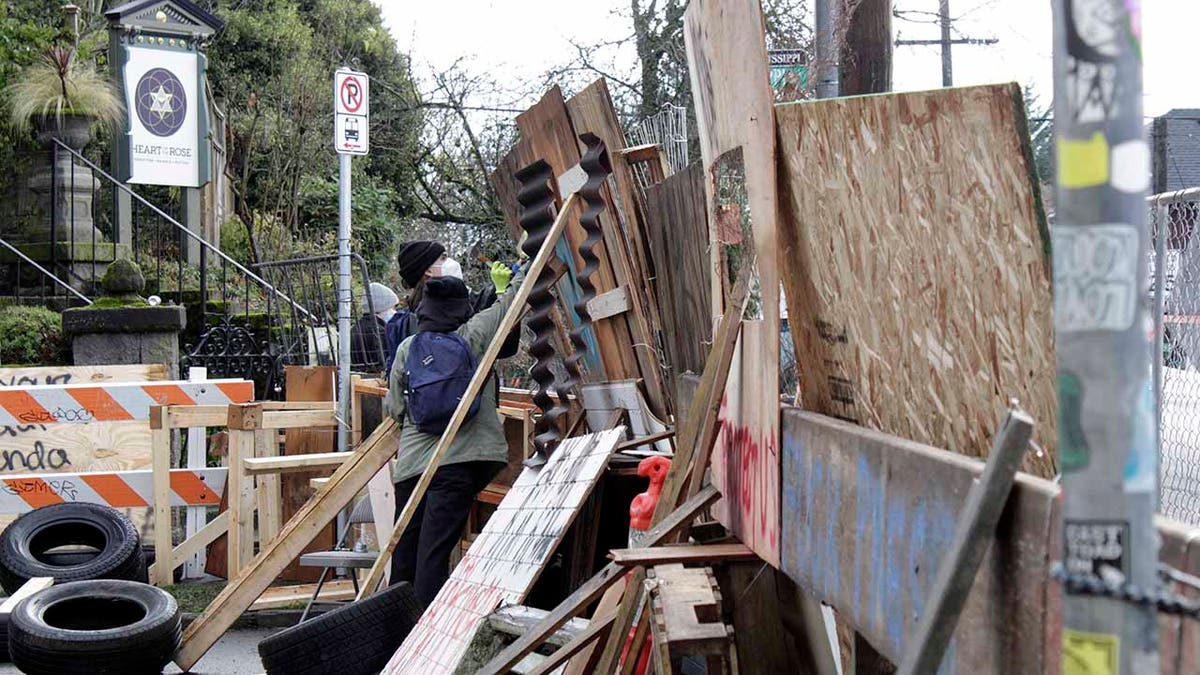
919,279
727,62
507,557
307,383
677,228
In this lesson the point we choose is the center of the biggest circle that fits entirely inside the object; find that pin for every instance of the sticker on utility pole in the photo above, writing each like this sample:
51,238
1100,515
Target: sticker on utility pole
1089,653
1096,548
352,105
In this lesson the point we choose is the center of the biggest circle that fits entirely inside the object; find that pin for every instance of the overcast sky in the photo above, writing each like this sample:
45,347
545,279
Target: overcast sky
518,40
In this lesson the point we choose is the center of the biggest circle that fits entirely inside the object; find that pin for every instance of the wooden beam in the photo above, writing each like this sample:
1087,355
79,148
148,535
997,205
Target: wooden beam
661,555
255,466
160,452
194,544
609,303
270,497
190,416
482,376
376,387
577,644
639,638
645,440
241,592
591,589
281,597
299,419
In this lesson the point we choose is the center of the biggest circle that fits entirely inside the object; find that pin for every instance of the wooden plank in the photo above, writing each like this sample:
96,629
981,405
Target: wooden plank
255,466
160,441
686,608
727,62
382,493
482,371
589,591
307,383
585,662
243,503
299,419
139,372
299,531
577,644
710,553
190,416
973,533
266,446
27,589
677,234
925,342
609,304
282,597
868,517
611,353
629,665
196,543
509,554
372,386
591,111
618,633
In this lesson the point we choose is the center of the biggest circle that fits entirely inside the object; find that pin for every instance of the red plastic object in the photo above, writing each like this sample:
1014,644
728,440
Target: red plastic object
641,510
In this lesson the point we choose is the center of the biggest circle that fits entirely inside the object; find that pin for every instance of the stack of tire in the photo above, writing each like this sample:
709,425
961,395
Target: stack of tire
99,616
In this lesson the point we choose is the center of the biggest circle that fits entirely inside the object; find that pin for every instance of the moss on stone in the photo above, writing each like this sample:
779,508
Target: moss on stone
123,277
118,302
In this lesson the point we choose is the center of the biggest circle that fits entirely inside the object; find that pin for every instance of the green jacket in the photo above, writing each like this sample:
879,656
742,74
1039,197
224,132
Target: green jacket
481,438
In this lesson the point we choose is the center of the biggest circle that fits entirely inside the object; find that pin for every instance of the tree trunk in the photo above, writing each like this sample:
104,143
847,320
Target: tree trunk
866,66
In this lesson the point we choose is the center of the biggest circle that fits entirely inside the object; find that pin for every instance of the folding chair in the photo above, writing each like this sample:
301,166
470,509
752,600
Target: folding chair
341,556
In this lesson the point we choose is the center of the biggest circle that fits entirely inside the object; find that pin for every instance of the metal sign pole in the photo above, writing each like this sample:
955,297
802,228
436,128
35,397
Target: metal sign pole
1107,416
344,302
351,132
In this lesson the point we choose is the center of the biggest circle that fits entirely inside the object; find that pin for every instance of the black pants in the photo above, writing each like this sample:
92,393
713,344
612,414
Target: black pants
422,557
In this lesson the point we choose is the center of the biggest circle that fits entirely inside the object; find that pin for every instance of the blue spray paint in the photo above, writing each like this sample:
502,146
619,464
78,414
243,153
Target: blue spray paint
833,566
863,489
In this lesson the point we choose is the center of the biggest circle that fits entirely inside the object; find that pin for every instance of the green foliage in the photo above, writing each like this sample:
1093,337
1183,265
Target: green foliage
273,67
58,85
373,217
32,336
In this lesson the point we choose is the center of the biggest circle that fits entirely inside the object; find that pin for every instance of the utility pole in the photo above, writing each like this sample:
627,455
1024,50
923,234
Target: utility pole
946,42
829,14
947,60
866,63
1107,413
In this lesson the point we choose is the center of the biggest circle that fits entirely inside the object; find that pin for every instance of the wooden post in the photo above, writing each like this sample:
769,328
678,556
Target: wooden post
482,375
160,448
241,421
266,444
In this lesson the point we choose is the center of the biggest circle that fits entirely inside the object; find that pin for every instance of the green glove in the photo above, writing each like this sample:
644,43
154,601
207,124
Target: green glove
501,275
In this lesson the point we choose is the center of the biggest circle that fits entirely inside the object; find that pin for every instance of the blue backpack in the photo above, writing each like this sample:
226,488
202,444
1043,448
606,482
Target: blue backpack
395,332
437,372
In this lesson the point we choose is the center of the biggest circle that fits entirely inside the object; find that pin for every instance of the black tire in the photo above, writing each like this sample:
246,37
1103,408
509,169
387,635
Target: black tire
4,657
357,639
104,626
25,543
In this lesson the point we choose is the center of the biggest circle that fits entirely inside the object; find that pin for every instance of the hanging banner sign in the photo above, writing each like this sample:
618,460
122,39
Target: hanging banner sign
163,97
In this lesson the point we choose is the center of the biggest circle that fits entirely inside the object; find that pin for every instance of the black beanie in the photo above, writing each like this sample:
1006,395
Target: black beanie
445,305
416,257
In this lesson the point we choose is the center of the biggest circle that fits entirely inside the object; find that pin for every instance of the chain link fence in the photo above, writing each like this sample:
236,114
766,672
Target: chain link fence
1175,291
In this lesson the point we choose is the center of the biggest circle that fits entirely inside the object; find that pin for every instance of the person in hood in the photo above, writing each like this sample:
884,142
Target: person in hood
422,260
367,336
479,450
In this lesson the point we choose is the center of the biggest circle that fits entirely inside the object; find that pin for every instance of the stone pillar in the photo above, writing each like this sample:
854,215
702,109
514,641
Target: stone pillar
121,328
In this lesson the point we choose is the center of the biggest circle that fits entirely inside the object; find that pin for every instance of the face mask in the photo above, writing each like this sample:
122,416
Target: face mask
387,314
451,268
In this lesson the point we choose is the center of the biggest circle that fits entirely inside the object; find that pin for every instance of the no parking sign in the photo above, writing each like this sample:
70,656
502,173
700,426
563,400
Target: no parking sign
351,101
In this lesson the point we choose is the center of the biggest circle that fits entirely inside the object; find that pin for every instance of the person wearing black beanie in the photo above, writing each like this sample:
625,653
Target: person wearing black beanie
415,259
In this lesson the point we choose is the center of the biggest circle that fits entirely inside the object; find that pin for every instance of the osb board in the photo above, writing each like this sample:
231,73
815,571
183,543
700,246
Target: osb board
677,229
307,383
591,111
95,446
727,61
508,555
918,285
